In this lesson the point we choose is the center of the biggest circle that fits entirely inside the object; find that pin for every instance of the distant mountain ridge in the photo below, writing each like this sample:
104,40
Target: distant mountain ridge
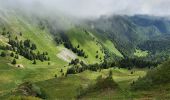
129,32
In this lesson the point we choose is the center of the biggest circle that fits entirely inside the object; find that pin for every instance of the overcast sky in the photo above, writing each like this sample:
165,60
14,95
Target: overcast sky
87,8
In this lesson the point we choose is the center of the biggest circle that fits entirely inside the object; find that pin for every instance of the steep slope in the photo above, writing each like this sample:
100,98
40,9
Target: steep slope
129,33
155,85
154,77
104,39
24,27
41,31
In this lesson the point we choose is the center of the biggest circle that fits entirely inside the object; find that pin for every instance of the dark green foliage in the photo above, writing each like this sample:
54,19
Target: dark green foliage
33,47
3,47
136,62
97,56
12,54
26,49
27,43
16,56
62,74
55,75
86,56
68,45
58,40
14,61
78,46
34,62
61,70
16,38
97,51
20,33
106,83
157,44
93,67
48,58
109,56
3,54
80,52
124,63
155,77
100,85
74,62
130,32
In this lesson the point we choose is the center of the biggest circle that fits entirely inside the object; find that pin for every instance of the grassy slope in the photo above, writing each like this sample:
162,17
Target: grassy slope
90,44
67,87
87,43
11,76
42,38
59,87
111,47
154,86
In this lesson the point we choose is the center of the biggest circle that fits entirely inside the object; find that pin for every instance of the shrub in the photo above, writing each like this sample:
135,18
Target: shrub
34,62
3,54
14,61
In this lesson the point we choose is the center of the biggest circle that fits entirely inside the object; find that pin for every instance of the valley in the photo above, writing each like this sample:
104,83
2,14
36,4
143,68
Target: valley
116,57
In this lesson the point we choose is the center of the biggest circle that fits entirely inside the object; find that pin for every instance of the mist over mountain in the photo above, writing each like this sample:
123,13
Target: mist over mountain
91,8
84,49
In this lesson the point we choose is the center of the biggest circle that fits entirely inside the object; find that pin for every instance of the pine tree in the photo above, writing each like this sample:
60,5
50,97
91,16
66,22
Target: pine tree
34,62
78,46
16,56
33,47
97,56
3,54
16,38
12,54
55,75
14,62
20,34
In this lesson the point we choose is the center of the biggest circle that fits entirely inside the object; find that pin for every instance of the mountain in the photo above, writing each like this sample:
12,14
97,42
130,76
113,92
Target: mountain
41,53
129,33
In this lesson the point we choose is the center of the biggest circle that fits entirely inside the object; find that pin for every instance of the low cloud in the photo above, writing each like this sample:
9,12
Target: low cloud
92,8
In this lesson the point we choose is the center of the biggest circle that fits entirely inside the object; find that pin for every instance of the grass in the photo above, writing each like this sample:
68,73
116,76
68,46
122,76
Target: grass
11,76
42,38
140,53
88,43
111,47
68,87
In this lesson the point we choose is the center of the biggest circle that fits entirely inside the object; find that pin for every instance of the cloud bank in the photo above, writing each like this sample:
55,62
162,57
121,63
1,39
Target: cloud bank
92,8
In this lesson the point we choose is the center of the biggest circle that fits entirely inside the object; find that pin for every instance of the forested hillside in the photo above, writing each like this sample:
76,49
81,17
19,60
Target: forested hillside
46,57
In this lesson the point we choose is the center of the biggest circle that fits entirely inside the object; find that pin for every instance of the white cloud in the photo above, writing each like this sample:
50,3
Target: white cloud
87,8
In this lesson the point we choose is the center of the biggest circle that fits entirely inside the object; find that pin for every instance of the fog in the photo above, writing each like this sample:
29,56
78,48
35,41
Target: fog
91,8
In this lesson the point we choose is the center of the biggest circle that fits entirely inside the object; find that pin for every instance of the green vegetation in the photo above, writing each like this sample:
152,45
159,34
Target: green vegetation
108,44
154,77
100,62
57,87
87,42
140,53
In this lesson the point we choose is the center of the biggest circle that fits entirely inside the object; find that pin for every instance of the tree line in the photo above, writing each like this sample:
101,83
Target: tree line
129,63
67,43
27,49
